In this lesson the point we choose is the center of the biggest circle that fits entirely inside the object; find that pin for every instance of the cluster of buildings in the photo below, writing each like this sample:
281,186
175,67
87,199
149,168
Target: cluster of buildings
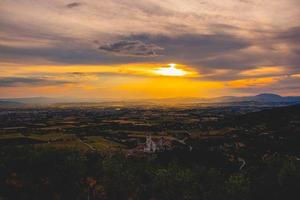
152,145
155,145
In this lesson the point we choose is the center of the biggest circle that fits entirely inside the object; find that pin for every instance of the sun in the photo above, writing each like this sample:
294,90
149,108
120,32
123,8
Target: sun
170,71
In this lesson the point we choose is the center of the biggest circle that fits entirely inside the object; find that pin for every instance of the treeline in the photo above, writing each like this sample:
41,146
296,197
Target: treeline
27,173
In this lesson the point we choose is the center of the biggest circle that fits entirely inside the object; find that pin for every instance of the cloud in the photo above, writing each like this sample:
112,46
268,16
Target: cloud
186,49
192,49
222,41
263,71
256,82
23,81
198,34
74,5
291,35
286,86
132,48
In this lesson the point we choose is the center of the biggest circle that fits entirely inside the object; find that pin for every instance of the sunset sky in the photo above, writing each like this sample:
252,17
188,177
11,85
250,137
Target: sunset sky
136,49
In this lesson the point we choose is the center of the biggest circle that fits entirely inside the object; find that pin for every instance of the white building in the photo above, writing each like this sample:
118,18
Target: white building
155,145
150,145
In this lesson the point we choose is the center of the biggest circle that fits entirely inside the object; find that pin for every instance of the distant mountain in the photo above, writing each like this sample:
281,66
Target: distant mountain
268,98
35,100
260,98
245,100
49,100
10,103
275,98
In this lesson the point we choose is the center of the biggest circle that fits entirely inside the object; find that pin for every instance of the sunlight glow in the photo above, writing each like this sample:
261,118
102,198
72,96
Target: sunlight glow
170,71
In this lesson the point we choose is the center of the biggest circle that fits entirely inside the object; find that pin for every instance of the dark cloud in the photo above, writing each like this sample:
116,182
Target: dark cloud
236,60
218,50
74,5
186,49
193,48
132,48
291,35
21,81
65,54
217,42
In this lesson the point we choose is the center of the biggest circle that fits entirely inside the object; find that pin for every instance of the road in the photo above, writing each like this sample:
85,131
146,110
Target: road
86,144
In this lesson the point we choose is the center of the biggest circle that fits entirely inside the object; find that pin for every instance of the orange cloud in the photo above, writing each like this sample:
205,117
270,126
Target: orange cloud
254,82
295,75
263,71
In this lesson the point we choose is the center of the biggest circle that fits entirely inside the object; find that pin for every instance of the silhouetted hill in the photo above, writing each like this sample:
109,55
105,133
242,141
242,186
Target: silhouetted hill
250,100
10,103
37,100
258,98
268,97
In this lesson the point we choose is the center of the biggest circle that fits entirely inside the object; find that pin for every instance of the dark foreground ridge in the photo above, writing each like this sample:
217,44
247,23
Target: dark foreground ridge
221,153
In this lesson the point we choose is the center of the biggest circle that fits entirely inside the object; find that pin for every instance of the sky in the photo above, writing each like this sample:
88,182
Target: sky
138,49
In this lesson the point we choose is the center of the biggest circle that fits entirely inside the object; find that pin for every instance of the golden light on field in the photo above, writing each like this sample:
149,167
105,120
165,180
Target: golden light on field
170,71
